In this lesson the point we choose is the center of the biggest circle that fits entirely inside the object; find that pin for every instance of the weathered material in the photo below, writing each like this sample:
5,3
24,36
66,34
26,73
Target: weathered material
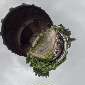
20,24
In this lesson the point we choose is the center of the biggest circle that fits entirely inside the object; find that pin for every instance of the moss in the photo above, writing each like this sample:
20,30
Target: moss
42,66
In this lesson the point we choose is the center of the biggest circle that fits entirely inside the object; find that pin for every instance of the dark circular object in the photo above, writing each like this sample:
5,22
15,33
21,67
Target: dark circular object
20,24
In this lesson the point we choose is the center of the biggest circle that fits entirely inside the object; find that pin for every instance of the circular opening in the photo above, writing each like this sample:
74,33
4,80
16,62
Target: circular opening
15,35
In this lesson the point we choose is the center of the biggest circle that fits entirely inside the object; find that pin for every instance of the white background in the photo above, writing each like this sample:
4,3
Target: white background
70,13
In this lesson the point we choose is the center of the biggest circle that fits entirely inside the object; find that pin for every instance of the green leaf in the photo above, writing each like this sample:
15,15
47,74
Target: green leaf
42,66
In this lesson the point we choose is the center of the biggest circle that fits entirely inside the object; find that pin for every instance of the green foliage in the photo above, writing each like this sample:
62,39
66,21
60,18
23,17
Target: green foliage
42,66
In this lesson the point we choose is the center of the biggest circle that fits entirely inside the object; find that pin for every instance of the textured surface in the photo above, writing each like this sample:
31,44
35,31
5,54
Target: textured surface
20,24
70,13
48,43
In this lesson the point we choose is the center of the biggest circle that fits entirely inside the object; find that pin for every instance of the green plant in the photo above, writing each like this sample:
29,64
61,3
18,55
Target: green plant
43,65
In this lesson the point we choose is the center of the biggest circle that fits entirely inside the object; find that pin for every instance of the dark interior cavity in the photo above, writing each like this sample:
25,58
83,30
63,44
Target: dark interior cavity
17,28
25,37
